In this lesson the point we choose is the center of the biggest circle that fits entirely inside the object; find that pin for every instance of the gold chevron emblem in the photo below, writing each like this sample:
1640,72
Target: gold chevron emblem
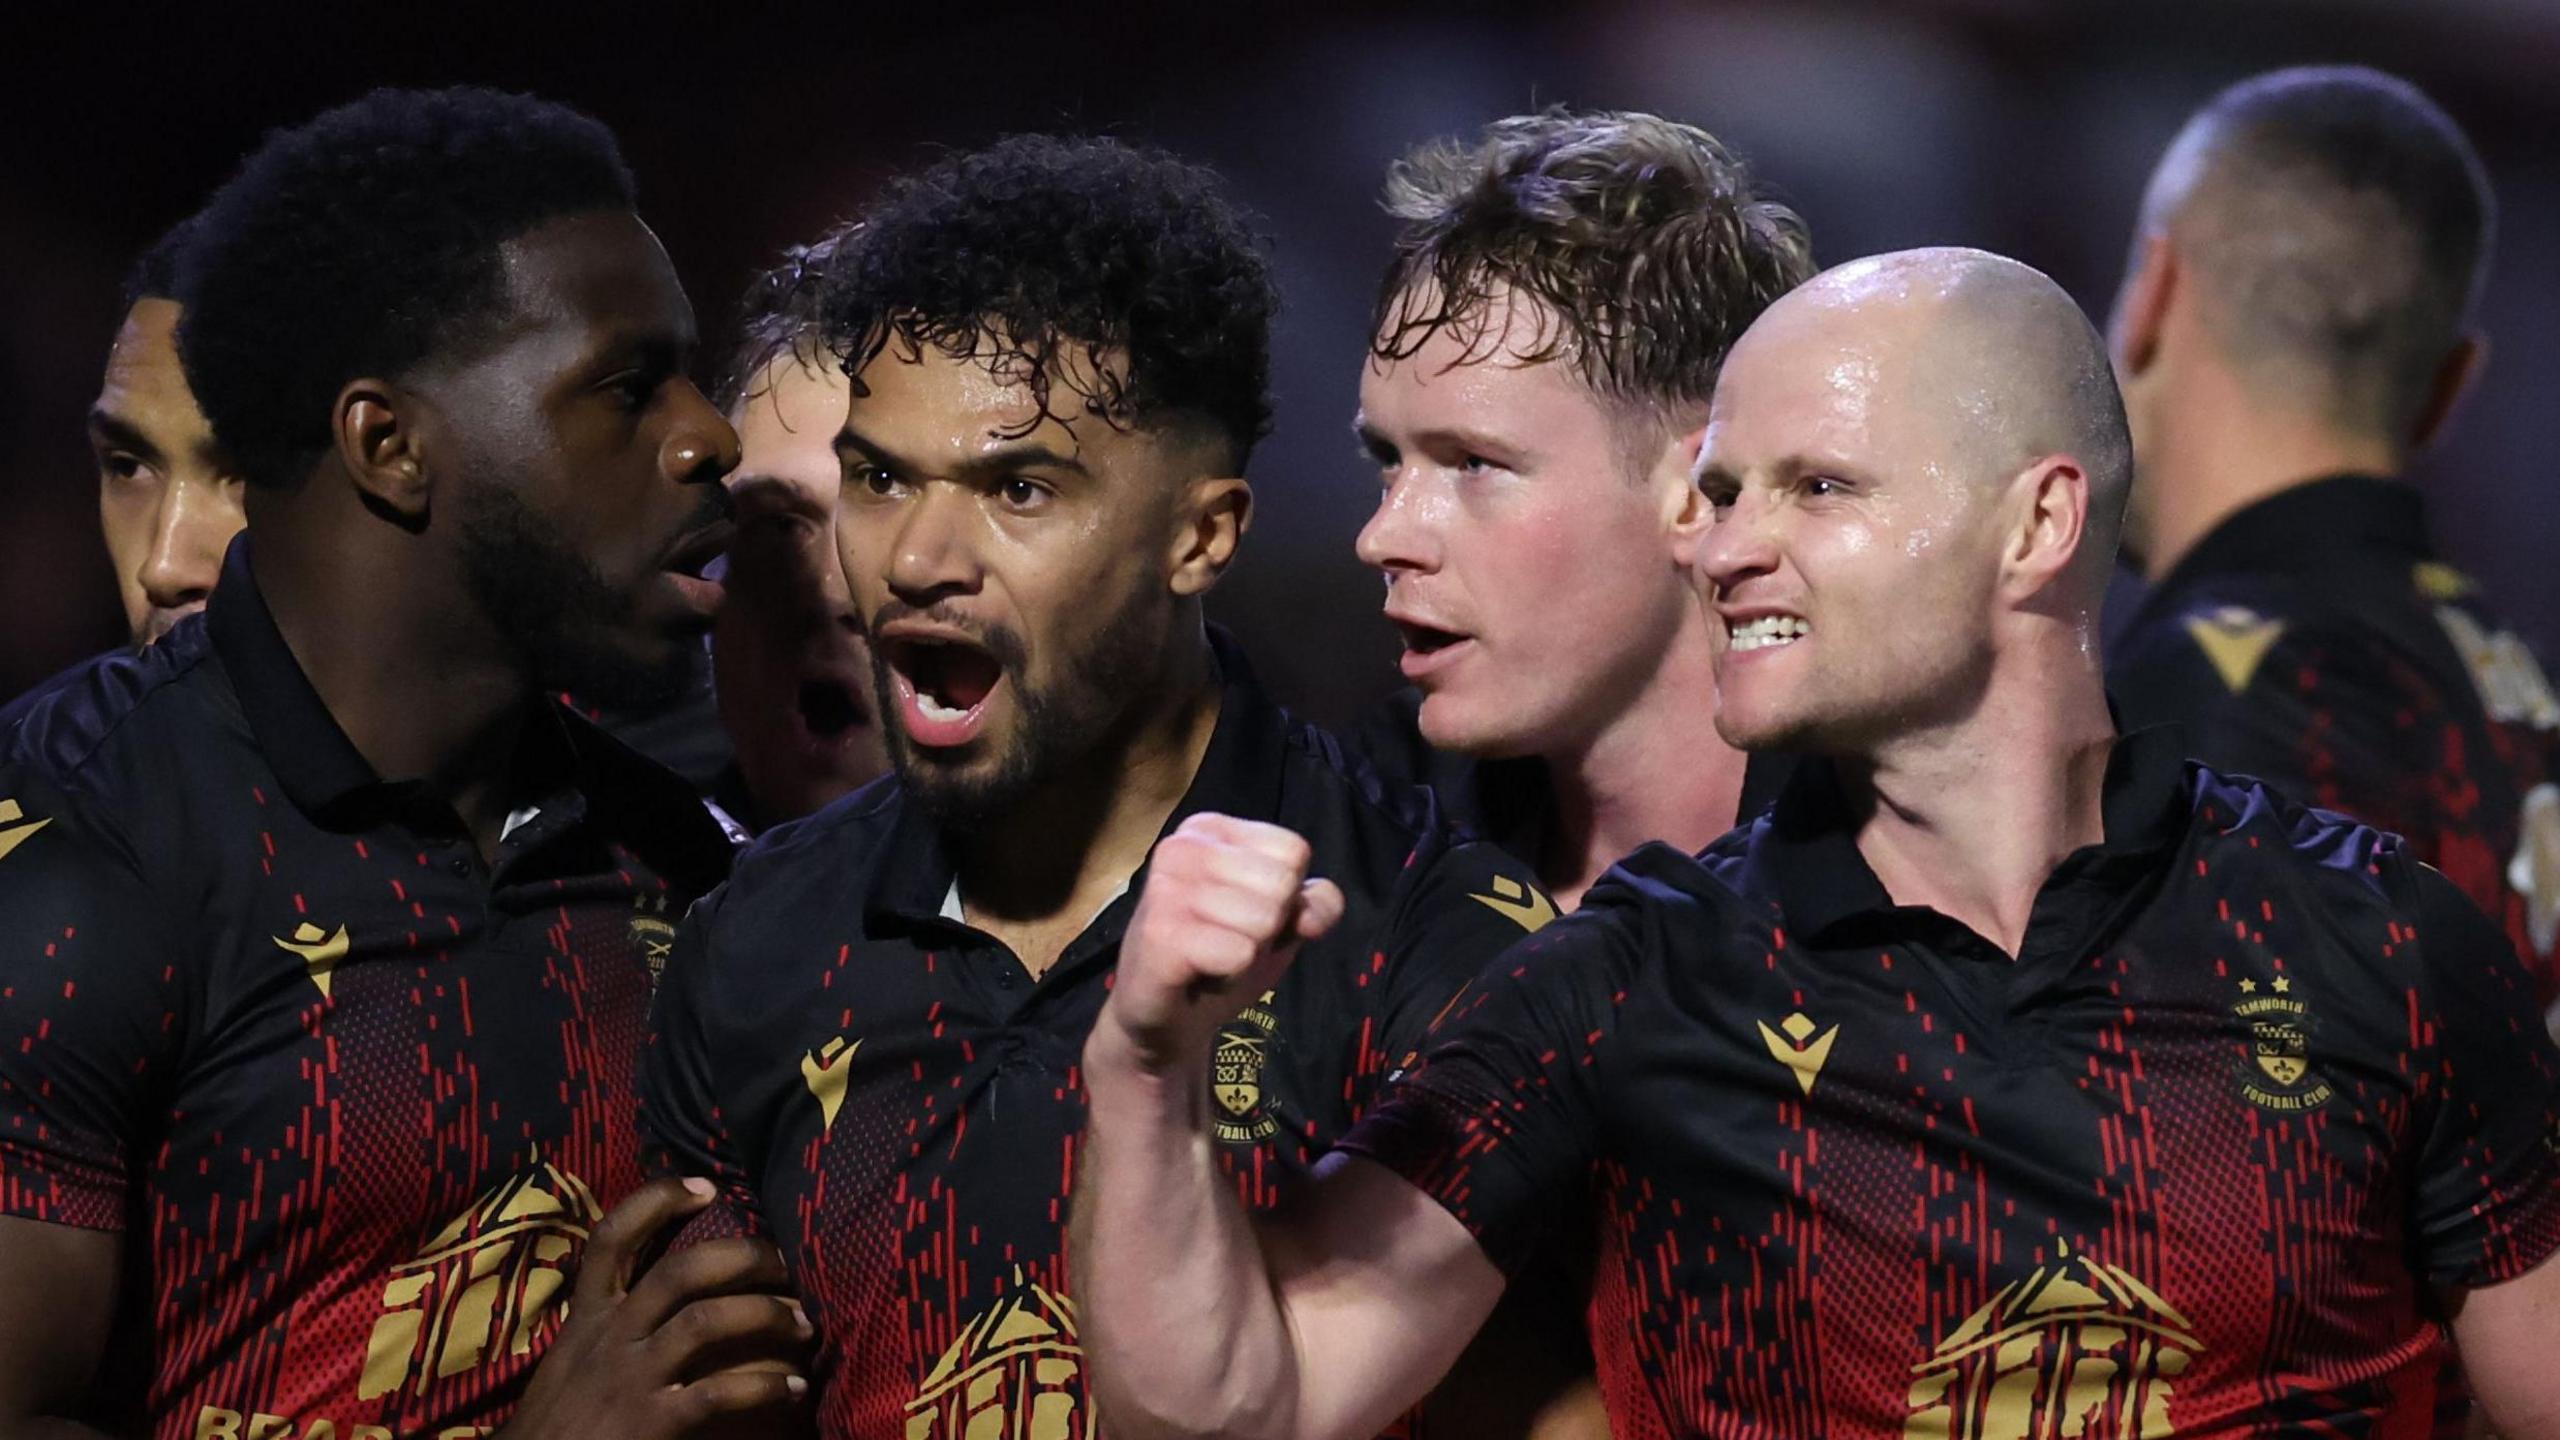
2235,639
1797,1049
826,1069
17,834
320,952
1518,904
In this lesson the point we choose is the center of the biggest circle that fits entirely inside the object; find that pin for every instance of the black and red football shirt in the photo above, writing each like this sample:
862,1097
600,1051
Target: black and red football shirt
2314,640
2196,1161
891,1095
351,1097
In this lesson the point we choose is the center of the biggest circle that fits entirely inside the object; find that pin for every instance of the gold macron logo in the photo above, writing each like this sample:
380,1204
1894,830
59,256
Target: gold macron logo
2057,1354
826,1069
491,1283
320,951
1798,1048
1016,1372
2235,639
1518,903
15,828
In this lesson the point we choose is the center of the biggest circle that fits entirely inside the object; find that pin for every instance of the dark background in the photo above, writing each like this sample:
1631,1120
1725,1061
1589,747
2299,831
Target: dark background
2025,126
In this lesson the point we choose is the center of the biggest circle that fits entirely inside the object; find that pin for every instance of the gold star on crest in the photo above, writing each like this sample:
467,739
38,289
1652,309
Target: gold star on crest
2248,987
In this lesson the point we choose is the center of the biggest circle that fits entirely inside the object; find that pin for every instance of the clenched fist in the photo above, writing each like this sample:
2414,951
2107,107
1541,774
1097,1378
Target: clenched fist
1226,905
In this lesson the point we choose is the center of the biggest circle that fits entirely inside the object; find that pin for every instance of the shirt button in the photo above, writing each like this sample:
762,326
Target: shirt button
459,865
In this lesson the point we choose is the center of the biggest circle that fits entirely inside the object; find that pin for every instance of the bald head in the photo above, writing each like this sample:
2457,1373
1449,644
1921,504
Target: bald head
2339,224
1992,365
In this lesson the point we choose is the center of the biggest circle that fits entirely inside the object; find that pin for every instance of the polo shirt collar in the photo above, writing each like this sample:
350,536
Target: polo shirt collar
2307,526
319,768
1809,847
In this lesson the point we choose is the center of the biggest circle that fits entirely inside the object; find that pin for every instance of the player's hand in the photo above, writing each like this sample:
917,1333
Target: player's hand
657,1351
1227,904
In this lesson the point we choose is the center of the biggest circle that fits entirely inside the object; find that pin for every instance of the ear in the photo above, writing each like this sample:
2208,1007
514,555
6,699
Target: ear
2052,522
2455,375
1216,511
1685,512
2142,311
380,443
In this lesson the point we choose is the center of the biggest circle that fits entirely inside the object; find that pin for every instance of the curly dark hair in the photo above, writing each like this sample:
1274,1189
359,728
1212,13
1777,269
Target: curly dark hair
363,241
780,313
155,275
1038,249
1641,239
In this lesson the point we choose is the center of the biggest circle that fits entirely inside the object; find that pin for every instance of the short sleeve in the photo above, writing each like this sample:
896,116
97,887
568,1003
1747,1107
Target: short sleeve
90,1019
1502,1119
1470,905
2487,1199
681,1122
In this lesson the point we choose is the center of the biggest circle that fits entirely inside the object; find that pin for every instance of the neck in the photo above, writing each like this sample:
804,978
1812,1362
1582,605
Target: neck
1659,771
422,692
1971,818
2224,448
1047,865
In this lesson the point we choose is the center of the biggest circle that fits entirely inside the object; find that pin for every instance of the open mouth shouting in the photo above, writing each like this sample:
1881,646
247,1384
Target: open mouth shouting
940,682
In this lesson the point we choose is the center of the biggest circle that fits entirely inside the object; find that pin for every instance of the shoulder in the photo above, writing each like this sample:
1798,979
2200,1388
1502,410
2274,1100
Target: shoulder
2241,821
822,855
115,741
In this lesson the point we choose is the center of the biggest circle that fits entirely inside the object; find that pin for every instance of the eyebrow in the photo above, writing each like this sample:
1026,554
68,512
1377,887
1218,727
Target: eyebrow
114,429
1016,455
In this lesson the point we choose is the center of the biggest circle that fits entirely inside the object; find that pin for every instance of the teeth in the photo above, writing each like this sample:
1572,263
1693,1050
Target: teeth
935,710
1766,631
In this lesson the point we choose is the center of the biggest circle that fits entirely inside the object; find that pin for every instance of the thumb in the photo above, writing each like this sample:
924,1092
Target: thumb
1320,907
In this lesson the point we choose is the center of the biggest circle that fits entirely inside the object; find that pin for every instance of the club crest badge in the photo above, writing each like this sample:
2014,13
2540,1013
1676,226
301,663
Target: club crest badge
2276,1072
1243,1115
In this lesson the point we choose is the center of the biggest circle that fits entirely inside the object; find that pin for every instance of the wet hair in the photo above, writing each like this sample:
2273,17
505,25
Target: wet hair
2341,223
363,242
155,274
780,313
1641,240
1048,260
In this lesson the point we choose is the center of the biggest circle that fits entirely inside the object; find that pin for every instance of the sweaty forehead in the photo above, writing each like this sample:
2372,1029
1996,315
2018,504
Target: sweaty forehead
1815,383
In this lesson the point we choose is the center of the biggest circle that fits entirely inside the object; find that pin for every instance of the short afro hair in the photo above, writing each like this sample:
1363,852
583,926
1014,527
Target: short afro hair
780,313
1643,240
1042,249
364,241
156,275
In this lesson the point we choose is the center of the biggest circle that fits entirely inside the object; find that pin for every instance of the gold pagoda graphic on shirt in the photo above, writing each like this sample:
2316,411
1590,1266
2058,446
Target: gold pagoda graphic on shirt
320,951
491,1283
2080,1350
1015,1373
1235,1075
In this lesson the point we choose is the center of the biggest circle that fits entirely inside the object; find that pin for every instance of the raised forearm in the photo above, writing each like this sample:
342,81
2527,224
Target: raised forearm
1184,1330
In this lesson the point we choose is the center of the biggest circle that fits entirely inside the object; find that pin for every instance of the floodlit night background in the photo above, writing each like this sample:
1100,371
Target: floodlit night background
2025,126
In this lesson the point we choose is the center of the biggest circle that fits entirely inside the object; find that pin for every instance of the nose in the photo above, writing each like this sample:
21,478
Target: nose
1399,539
931,554
1739,545
700,447
197,517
